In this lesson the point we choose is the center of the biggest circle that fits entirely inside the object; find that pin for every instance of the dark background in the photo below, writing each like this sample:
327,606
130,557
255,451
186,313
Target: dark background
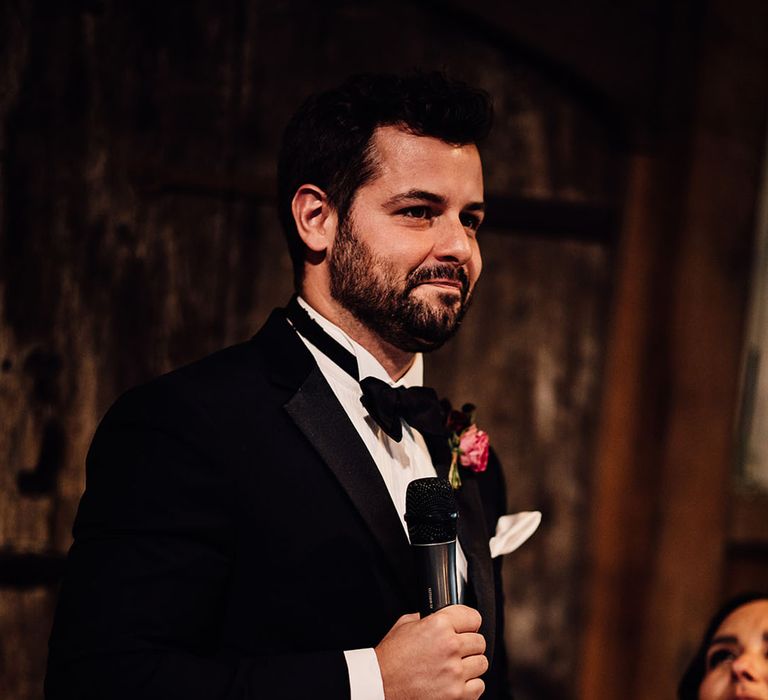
138,232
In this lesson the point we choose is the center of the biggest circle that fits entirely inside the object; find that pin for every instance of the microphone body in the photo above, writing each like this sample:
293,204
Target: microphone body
431,515
436,572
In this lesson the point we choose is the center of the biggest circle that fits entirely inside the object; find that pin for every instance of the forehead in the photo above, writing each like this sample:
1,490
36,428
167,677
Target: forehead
751,618
407,161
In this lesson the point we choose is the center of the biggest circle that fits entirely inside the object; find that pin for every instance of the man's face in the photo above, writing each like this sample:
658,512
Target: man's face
406,259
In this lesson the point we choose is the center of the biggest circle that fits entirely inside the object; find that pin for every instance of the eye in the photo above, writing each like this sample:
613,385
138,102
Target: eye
417,212
470,221
719,656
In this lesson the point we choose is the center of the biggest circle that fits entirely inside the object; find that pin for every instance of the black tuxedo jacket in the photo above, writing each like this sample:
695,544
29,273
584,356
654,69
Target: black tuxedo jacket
235,537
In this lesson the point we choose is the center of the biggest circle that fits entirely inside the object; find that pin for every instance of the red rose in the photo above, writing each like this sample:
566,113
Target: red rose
457,421
474,449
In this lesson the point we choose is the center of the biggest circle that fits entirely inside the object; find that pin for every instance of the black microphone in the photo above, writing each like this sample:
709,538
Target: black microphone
431,514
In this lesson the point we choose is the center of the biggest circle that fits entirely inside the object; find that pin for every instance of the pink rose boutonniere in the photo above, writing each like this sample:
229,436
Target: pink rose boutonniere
469,445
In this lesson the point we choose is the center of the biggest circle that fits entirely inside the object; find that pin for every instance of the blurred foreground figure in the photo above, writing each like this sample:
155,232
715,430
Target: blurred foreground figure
241,534
732,661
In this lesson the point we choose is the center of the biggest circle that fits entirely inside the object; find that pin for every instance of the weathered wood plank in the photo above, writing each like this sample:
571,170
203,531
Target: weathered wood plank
137,153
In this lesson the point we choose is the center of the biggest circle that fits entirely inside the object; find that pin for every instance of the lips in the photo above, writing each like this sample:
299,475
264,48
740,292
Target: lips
449,284
445,277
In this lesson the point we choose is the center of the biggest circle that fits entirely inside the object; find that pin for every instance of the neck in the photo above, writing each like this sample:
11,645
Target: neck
395,361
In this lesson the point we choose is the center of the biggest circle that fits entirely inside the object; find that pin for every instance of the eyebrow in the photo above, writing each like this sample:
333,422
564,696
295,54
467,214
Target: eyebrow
427,196
731,639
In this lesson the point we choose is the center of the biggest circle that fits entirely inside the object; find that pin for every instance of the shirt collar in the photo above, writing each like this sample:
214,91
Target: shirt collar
367,364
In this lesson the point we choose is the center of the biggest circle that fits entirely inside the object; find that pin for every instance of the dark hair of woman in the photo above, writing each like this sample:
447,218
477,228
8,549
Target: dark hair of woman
688,689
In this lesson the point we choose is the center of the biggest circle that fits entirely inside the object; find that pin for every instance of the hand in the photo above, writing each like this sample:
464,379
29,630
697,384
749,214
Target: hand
439,657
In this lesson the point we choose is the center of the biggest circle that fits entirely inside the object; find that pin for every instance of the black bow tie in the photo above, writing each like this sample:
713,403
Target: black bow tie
418,406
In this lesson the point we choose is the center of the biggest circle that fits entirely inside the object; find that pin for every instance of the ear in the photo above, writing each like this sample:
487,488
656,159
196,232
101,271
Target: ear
315,218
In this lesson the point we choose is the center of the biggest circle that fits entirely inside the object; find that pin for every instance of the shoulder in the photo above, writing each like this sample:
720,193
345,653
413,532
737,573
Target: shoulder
269,364
174,431
188,389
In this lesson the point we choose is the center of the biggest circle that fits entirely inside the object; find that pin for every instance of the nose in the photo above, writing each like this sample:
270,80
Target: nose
743,667
453,244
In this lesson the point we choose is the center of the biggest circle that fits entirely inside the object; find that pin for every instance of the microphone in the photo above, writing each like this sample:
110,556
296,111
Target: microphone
431,514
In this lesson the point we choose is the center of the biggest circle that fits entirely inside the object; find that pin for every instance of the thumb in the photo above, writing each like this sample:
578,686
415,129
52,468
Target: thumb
406,619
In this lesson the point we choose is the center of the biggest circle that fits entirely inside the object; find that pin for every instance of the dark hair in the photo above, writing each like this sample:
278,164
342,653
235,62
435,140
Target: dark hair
688,689
328,141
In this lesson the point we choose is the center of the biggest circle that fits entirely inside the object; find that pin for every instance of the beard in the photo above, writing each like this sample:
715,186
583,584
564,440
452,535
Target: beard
372,290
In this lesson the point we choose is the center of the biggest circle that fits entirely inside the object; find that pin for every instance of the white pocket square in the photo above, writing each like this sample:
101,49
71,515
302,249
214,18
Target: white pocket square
512,530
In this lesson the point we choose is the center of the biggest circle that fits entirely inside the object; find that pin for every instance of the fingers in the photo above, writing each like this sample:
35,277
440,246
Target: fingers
437,657
471,643
462,618
474,666
405,619
474,689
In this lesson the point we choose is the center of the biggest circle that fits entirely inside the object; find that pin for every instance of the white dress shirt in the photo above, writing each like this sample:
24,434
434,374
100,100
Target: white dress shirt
399,464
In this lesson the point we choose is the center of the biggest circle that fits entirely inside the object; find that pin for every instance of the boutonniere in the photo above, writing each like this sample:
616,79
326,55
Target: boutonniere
469,445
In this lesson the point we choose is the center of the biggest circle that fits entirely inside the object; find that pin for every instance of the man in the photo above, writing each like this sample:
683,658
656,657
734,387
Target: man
241,534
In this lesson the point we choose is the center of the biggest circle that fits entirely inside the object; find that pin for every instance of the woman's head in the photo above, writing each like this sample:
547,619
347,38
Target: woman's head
732,661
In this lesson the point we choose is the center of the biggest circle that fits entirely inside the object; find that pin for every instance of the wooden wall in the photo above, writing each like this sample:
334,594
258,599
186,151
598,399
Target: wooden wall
670,517
138,232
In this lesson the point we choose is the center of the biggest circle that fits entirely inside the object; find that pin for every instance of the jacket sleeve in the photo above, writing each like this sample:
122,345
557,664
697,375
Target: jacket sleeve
146,582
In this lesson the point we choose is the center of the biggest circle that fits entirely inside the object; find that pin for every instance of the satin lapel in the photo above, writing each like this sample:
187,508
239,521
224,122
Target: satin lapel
474,541
474,538
318,414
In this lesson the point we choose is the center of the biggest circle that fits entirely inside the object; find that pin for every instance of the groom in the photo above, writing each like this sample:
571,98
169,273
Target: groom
241,534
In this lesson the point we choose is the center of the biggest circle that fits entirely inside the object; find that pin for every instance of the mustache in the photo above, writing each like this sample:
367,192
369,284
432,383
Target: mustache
445,272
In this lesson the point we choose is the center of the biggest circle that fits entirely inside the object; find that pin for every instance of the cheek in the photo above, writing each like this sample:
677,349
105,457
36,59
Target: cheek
715,685
400,249
475,264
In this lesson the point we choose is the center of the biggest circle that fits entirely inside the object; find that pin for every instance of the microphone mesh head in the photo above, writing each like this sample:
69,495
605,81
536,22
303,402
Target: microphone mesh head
430,511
